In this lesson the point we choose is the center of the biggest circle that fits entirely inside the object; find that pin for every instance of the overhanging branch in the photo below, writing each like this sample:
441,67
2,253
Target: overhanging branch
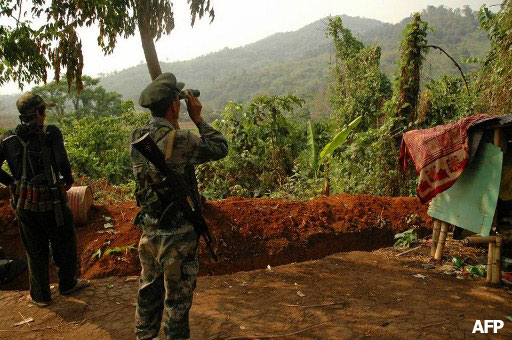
456,64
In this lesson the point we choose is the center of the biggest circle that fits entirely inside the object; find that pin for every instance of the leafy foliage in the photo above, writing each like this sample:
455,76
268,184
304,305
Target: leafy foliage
495,76
338,139
359,88
275,141
445,100
119,250
298,62
405,239
27,52
99,147
265,138
93,100
413,49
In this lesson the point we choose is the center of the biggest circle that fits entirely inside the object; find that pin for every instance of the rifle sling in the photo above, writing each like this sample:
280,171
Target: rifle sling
169,147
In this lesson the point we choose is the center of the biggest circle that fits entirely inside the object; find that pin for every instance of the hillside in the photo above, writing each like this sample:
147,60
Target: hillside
294,62
298,62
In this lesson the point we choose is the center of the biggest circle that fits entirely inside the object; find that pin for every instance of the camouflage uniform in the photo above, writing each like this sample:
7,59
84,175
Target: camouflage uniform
168,253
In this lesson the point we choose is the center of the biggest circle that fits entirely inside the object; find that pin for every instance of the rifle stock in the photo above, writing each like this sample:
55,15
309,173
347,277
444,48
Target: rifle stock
149,150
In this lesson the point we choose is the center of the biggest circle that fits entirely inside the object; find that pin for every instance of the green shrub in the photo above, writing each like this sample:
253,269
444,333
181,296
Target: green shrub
99,147
265,138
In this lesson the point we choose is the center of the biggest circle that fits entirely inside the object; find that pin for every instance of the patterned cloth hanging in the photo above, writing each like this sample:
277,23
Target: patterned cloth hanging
439,154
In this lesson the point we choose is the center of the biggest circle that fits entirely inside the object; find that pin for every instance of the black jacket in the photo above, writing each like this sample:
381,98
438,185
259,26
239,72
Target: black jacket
11,150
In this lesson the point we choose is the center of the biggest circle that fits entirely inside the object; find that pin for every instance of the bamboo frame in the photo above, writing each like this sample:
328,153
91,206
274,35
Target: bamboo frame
442,241
486,239
498,133
496,274
435,237
440,230
490,263
494,254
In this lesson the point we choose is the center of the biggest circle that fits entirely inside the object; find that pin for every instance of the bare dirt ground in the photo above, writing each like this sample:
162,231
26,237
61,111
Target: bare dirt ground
252,233
328,279
355,295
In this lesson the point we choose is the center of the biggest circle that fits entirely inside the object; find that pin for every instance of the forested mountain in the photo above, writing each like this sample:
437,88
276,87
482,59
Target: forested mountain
298,62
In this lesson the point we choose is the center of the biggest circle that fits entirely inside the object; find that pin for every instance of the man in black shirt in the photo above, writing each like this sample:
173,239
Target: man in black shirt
41,175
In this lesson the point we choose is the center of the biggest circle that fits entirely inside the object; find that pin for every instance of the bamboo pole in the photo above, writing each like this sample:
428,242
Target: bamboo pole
498,132
496,275
442,240
490,262
435,237
486,239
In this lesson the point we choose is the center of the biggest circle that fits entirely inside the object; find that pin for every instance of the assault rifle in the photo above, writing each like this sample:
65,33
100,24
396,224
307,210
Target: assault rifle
187,201
52,180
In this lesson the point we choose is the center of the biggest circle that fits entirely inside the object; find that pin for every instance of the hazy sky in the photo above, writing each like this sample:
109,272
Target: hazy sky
240,22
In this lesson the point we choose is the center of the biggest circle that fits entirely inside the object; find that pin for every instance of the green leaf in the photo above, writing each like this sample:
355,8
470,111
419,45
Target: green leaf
338,139
96,254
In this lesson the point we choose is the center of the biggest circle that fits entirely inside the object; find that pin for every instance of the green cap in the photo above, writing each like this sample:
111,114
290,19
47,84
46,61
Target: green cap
159,89
29,102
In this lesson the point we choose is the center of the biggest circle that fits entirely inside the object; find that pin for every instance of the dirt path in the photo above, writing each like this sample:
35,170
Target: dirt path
351,295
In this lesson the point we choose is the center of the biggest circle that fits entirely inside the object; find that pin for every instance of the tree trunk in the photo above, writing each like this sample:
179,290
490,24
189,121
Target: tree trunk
327,183
150,53
146,37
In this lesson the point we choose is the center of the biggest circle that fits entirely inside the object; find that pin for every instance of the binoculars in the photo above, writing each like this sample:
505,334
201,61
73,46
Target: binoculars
184,93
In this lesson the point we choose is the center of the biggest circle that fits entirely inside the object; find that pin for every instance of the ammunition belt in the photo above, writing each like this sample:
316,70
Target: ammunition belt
37,198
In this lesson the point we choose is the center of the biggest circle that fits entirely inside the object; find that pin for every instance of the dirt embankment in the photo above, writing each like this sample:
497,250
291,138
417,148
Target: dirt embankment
254,233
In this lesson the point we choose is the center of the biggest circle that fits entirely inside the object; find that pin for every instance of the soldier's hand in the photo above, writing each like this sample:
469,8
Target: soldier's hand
194,108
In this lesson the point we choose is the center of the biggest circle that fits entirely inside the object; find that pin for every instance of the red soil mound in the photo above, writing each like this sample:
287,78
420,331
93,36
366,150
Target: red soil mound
254,233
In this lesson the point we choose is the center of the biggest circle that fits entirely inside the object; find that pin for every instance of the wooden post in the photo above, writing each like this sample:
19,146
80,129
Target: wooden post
435,237
442,240
490,262
496,275
498,132
494,256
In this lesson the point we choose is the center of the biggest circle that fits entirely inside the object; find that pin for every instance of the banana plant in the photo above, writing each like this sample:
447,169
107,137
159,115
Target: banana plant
338,140
328,150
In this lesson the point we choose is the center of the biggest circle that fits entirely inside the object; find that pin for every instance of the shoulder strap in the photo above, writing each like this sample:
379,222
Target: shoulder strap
25,157
160,133
170,145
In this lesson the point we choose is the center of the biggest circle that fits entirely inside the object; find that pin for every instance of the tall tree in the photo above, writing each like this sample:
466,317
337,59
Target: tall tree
92,100
359,88
28,50
413,49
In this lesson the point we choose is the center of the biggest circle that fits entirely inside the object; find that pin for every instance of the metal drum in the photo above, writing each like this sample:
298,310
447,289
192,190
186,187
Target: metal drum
80,201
